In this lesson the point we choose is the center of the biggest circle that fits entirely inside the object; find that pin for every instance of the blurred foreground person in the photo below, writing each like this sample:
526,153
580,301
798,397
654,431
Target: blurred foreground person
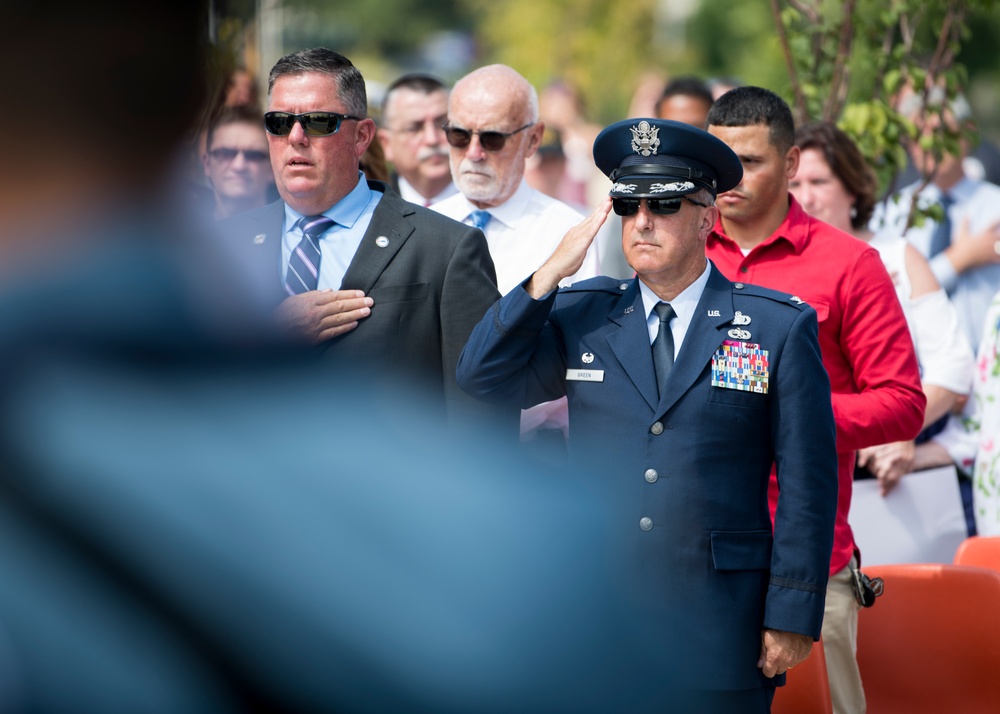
194,521
684,388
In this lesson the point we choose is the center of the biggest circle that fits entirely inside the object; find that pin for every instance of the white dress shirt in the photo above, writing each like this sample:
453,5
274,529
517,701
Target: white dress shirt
411,194
522,233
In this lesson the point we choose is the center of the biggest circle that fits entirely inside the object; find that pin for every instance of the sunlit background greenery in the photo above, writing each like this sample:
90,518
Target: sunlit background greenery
604,48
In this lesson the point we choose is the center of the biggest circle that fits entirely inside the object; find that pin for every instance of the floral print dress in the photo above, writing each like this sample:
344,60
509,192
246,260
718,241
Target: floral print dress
974,439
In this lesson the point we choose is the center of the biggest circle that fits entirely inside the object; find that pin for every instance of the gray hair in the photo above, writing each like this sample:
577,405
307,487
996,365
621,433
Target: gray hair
350,84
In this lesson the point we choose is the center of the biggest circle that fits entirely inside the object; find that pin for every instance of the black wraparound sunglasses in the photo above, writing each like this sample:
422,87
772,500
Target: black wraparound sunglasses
489,140
313,123
659,206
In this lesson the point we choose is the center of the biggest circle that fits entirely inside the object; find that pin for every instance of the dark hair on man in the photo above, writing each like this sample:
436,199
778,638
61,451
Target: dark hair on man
747,106
688,87
350,84
416,82
847,164
240,114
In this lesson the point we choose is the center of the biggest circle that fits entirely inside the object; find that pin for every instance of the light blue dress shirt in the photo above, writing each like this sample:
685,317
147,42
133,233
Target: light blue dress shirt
352,216
979,202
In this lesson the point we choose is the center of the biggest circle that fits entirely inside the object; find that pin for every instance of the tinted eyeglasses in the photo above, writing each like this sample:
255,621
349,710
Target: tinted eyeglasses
313,123
659,206
489,140
225,154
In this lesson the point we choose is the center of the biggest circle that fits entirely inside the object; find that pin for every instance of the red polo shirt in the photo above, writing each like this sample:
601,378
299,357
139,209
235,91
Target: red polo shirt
866,345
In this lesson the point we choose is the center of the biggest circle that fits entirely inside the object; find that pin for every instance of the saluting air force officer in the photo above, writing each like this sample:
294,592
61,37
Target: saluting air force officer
684,388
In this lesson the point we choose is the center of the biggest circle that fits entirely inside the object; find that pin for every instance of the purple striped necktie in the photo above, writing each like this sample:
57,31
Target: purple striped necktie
303,265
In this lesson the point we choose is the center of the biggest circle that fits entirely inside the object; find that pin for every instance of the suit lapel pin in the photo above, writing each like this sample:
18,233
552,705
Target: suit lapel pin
740,319
382,242
259,238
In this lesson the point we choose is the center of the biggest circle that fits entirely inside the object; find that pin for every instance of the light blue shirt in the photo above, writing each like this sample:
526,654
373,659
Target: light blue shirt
338,244
979,202
684,306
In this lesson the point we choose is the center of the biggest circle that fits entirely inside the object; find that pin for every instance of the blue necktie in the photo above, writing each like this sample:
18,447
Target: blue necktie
303,265
480,219
663,345
941,237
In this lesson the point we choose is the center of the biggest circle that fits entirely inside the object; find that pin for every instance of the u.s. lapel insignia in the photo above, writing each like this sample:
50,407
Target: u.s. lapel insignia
714,313
629,309
740,319
587,357
259,238
738,334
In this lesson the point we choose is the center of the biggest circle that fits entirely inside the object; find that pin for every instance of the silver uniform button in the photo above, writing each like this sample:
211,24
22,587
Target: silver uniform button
646,523
657,428
651,475
738,286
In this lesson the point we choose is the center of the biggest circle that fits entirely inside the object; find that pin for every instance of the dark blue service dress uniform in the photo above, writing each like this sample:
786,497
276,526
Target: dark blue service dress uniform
747,390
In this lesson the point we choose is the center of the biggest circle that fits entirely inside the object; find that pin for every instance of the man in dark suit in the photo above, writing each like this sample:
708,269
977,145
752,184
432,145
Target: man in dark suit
350,266
691,442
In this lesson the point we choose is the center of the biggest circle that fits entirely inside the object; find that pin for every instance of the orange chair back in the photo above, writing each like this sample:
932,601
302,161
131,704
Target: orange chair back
807,689
981,551
931,643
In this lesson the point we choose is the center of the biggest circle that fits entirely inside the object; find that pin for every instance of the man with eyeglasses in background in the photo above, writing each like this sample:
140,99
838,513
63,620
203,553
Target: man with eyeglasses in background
236,162
492,128
414,111
371,280
683,389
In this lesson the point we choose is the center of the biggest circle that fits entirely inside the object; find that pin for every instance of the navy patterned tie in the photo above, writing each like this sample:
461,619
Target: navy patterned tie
663,345
941,237
480,219
303,265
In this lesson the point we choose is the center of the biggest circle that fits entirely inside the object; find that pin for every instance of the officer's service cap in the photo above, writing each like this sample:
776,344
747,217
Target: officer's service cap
658,158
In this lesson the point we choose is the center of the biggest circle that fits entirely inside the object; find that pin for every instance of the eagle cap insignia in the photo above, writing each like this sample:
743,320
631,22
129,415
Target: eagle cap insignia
644,139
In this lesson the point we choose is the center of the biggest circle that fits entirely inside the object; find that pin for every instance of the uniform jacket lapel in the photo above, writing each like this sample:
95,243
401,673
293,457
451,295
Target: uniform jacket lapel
704,336
630,343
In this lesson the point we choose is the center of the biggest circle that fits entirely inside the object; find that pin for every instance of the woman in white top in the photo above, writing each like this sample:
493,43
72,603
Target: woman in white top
836,185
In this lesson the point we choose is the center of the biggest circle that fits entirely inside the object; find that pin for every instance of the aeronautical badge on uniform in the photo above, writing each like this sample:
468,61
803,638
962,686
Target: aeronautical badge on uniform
740,365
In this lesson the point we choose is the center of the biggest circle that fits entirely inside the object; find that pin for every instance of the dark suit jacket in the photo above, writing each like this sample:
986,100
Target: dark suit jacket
430,283
695,462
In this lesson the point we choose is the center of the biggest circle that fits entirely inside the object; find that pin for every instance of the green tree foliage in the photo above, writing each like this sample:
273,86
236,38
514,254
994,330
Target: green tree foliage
850,61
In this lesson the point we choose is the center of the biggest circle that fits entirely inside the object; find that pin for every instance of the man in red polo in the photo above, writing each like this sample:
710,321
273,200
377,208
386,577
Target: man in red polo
764,237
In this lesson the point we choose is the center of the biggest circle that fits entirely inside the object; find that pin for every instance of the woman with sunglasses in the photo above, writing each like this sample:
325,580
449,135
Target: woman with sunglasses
836,185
